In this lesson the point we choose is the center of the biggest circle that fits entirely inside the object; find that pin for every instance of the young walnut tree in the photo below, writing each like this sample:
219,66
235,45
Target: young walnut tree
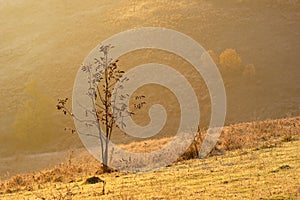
103,76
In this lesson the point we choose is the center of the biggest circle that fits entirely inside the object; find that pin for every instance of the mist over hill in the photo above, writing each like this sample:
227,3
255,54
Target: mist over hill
42,45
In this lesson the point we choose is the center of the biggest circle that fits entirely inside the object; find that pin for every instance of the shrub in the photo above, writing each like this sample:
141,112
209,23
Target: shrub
230,60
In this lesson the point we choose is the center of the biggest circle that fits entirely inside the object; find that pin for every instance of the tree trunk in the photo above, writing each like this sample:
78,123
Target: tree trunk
105,157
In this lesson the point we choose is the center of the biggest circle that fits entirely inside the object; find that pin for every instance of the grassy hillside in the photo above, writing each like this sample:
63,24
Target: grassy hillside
43,43
269,173
263,163
46,42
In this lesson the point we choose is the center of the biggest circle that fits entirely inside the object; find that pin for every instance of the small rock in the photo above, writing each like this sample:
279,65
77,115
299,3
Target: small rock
285,167
93,180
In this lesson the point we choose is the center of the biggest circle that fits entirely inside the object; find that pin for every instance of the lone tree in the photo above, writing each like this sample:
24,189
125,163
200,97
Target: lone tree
103,77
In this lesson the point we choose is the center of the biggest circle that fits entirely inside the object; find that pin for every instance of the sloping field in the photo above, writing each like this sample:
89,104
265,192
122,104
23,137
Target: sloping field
42,45
271,173
266,169
260,134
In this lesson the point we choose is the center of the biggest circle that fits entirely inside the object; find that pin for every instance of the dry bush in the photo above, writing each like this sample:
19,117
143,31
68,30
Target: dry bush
230,61
261,134
194,149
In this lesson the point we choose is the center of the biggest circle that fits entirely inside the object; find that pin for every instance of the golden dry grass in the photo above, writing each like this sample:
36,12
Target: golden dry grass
264,163
243,174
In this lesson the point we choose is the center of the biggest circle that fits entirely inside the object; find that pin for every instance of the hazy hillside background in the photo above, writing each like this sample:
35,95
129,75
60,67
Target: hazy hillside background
42,44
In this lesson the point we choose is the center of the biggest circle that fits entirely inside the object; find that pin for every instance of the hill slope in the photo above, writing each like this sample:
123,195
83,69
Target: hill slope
46,42
264,163
271,173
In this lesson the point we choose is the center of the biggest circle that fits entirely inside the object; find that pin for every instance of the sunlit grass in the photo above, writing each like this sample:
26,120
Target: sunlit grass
265,173
268,169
